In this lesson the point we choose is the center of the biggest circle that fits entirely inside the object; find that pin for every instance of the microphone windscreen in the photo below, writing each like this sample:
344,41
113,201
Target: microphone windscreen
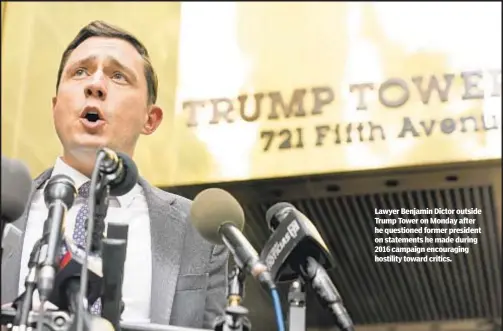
97,323
129,179
60,187
16,188
271,215
211,209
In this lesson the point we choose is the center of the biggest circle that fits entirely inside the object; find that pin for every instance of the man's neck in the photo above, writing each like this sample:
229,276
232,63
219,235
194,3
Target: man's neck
84,161
85,168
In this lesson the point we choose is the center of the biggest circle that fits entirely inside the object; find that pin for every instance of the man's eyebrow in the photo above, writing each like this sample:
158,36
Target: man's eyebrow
83,61
123,67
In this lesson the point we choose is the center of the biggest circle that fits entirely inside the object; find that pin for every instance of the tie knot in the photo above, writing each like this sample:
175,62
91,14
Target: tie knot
84,190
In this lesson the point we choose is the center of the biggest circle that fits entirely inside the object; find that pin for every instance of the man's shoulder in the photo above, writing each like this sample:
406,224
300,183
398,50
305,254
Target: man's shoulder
181,206
179,202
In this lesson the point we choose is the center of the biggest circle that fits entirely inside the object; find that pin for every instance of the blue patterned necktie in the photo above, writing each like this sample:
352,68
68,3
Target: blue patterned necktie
79,232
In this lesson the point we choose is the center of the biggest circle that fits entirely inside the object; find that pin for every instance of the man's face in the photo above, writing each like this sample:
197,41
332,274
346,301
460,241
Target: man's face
102,99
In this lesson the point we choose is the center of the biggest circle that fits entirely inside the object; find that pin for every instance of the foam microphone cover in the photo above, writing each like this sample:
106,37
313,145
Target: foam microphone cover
129,178
211,209
97,323
16,188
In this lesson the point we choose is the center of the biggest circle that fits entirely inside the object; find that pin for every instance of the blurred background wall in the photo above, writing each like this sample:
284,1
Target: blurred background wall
34,36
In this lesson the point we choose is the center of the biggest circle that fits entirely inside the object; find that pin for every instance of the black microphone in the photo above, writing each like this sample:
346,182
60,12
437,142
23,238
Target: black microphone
119,170
59,195
16,189
114,257
67,281
219,218
296,248
291,230
114,248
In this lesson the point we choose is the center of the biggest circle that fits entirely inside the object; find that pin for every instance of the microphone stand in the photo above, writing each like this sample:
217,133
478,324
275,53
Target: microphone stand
297,311
57,320
24,316
111,309
51,321
326,292
235,317
30,282
101,198
98,206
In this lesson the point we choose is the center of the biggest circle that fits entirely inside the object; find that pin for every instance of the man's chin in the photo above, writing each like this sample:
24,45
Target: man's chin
86,153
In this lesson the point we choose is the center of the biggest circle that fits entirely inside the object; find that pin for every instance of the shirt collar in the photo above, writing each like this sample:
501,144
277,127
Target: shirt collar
60,167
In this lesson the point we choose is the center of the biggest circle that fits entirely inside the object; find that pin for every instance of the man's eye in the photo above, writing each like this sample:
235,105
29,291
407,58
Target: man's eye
80,72
119,76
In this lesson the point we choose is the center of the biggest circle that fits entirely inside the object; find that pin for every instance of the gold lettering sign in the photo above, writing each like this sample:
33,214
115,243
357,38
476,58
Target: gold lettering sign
306,88
273,89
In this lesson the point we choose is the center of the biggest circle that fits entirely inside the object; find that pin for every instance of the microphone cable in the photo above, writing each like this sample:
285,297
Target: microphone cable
277,309
90,225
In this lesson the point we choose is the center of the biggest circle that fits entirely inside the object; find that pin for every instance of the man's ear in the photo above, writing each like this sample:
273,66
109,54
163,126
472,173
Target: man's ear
54,100
154,119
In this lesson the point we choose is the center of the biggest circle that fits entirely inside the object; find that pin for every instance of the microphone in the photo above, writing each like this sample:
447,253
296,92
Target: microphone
24,302
296,247
59,195
16,189
294,237
67,282
119,170
114,257
219,218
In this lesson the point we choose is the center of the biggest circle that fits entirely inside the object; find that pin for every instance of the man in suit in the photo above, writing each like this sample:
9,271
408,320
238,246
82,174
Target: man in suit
105,96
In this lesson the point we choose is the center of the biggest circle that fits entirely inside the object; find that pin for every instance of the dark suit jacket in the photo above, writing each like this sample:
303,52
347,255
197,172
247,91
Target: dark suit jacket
189,275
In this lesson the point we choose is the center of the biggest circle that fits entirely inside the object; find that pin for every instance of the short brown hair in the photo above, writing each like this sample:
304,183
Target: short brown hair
102,29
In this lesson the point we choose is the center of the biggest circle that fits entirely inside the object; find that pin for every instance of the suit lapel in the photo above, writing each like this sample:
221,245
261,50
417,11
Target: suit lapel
12,264
167,230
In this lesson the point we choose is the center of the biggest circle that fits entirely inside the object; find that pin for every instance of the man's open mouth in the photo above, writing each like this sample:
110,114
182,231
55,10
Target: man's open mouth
92,115
92,118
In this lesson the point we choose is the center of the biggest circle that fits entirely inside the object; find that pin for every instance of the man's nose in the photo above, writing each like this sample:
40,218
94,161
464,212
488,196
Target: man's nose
96,88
